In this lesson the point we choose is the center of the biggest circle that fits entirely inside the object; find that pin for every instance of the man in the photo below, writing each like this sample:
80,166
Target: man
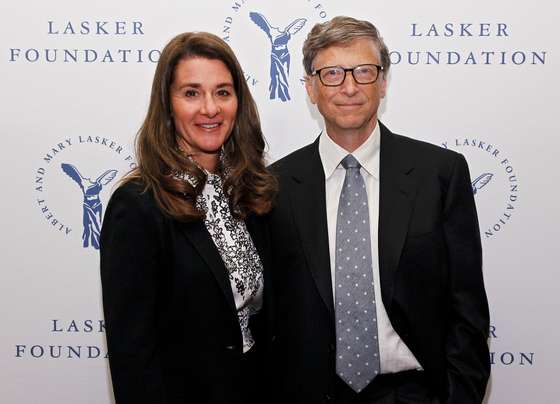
377,257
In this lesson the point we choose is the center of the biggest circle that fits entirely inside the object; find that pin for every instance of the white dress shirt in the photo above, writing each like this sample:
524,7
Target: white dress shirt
395,355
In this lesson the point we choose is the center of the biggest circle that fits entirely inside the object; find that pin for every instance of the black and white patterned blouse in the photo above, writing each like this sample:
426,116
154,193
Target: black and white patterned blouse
231,237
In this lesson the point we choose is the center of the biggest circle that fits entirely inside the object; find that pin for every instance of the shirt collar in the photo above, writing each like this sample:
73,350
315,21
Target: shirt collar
214,178
367,154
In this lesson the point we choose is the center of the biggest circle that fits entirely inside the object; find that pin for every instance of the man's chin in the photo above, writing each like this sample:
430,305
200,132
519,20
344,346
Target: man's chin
351,124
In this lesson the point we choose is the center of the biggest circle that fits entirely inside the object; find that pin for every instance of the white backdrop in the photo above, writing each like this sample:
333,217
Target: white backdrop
75,84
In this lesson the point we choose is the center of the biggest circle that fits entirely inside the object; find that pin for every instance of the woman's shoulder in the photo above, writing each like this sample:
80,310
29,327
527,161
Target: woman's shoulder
132,218
131,188
134,195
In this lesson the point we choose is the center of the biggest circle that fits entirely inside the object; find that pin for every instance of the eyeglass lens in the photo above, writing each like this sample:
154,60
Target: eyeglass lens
335,75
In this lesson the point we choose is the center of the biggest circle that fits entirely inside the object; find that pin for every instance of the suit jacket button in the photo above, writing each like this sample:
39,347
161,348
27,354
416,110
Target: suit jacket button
231,347
332,347
327,399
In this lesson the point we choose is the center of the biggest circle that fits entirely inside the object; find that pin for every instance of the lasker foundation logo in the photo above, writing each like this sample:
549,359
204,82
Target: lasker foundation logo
267,37
495,183
468,44
507,357
72,184
87,335
84,41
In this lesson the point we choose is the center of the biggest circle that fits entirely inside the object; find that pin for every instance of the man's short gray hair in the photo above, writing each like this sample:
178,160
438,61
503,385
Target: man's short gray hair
339,31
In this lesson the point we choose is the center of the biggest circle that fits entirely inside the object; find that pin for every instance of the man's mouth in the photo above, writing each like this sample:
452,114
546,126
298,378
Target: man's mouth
344,106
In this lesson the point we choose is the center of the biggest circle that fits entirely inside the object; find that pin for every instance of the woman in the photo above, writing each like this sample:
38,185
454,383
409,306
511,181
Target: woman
183,245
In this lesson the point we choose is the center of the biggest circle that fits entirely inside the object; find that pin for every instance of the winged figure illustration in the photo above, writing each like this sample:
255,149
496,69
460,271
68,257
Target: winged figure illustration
481,181
279,54
92,207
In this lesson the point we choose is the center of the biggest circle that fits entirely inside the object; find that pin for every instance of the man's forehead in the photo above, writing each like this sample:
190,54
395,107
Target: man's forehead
354,49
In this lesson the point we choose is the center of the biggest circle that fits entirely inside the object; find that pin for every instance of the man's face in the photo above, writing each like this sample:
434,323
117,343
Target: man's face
351,108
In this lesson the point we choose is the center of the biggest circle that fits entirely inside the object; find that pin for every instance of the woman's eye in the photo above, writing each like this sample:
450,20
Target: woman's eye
223,93
190,93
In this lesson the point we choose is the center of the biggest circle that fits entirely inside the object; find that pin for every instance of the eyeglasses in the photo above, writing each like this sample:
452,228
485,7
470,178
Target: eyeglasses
333,76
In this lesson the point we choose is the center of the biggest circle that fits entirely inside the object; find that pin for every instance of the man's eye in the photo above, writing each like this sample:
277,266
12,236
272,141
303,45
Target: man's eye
365,70
332,72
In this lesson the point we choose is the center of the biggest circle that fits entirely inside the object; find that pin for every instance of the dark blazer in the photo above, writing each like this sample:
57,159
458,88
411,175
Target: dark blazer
172,328
430,265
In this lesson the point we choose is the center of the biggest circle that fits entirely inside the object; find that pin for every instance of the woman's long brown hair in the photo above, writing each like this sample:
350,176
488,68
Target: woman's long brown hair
251,188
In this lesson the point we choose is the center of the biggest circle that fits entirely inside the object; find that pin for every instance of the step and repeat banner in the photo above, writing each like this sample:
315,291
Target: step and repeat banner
477,77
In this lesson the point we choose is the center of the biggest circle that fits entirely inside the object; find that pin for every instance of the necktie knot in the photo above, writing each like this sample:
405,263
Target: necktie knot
350,162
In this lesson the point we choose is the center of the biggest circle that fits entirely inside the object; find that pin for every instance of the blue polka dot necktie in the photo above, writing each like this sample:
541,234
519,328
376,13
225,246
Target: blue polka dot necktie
357,348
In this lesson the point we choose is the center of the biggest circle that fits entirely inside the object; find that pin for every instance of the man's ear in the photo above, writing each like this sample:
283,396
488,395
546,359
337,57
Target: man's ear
383,87
310,88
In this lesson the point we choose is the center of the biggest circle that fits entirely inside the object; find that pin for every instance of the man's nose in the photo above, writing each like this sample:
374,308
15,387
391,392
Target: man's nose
349,85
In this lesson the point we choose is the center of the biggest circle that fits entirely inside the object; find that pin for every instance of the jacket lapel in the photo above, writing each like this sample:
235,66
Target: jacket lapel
202,241
259,236
396,196
310,214
257,227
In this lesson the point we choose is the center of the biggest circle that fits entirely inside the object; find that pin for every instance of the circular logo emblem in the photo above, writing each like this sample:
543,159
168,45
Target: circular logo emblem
73,182
495,184
267,38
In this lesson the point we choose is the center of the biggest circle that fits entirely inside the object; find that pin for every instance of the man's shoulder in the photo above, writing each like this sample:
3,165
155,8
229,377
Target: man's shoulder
421,153
422,148
296,160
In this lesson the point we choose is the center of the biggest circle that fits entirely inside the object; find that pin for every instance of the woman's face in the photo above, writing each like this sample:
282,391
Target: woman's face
204,107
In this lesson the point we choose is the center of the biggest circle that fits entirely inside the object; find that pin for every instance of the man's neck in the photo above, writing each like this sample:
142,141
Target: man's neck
351,139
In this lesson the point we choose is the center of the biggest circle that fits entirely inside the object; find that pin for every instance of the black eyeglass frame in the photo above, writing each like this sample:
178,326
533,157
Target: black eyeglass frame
317,72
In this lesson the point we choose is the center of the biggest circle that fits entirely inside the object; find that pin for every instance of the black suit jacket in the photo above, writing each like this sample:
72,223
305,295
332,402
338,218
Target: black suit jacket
172,329
430,265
